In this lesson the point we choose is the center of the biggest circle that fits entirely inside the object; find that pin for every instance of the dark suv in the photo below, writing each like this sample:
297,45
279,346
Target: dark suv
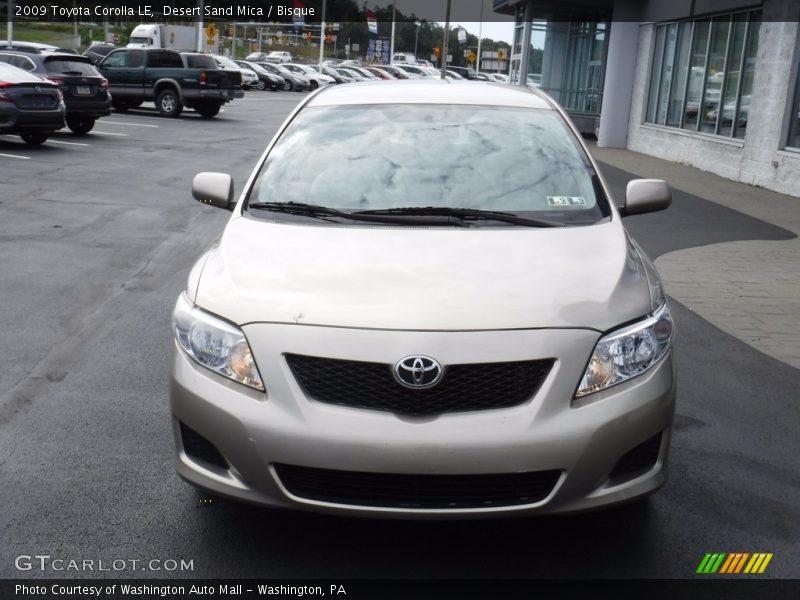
85,90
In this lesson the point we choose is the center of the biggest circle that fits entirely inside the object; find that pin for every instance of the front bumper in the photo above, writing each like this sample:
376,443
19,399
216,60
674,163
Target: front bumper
585,442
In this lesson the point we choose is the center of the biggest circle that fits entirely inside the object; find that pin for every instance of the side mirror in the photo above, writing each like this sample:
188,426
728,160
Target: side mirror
646,196
215,189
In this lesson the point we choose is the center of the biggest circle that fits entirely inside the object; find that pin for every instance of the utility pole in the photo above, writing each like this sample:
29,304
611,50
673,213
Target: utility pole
480,34
200,26
10,23
446,41
322,34
391,43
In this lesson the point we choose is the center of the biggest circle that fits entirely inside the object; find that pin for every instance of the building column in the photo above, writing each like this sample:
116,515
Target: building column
623,45
525,51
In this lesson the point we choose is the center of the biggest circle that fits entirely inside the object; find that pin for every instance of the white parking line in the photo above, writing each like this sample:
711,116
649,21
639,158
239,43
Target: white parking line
131,124
52,141
16,156
109,133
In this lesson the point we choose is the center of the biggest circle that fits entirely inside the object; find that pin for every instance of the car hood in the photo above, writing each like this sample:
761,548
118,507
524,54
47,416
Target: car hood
432,278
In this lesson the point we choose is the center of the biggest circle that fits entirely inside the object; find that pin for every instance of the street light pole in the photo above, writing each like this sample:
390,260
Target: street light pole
391,43
416,38
322,34
10,23
446,41
480,34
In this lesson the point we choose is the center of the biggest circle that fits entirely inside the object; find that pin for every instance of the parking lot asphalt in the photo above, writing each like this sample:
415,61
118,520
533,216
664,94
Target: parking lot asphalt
98,240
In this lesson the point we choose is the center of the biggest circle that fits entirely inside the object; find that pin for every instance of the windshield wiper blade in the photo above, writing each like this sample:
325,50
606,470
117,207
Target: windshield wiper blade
320,212
463,213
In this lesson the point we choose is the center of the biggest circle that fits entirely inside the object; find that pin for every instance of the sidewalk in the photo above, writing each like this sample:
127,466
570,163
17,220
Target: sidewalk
750,289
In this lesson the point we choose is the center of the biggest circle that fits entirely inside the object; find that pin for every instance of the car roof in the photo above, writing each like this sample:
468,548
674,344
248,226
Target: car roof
432,91
14,75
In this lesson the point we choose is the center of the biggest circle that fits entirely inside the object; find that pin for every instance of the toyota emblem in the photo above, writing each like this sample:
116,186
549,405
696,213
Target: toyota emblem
418,372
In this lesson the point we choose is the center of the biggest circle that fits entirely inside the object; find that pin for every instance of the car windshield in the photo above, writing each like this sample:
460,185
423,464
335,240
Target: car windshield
387,156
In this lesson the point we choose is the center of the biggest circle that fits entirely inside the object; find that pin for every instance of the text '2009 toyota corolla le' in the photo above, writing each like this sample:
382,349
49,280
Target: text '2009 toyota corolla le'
424,305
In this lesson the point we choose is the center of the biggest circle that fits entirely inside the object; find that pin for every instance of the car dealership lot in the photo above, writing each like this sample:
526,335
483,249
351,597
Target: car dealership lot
99,233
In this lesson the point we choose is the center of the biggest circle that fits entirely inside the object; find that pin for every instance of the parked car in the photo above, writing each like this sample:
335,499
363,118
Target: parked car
453,75
137,75
266,80
315,78
198,60
98,51
420,72
355,74
465,72
249,77
277,56
499,77
381,73
332,73
256,57
84,89
294,81
398,73
30,106
384,330
30,47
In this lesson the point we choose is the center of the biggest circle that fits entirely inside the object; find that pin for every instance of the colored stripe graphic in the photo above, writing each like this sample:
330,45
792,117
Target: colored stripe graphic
734,563
729,564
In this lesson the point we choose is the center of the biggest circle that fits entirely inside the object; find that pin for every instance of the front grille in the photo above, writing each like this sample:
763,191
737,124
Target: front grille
637,461
462,388
417,491
199,448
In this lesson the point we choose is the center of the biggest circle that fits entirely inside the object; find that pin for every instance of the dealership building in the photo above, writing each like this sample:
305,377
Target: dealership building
709,83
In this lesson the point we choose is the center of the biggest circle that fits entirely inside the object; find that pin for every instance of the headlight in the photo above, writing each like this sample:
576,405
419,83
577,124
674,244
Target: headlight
215,344
628,352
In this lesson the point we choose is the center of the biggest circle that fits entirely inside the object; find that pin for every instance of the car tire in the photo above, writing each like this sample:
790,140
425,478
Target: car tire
261,85
314,85
208,110
120,105
35,138
287,86
80,125
168,103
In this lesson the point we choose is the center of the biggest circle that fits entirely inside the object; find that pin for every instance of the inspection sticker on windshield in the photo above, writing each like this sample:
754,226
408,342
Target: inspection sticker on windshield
566,201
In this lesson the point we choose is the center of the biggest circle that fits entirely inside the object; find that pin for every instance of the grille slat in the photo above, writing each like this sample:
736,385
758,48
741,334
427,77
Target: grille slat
465,387
417,491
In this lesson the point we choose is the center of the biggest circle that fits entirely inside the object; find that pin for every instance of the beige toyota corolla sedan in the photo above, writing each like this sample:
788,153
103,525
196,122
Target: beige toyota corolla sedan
425,305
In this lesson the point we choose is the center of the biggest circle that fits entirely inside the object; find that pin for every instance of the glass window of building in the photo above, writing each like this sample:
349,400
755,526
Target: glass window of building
702,74
793,141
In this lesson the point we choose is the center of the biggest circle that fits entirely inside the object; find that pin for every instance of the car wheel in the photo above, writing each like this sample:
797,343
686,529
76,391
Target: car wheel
262,85
208,110
80,125
120,105
314,85
35,138
287,86
168,103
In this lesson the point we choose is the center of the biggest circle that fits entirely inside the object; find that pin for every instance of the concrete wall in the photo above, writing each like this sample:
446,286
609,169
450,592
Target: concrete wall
759,159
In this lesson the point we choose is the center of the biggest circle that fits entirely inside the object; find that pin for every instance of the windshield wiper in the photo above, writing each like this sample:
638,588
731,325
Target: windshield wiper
321,212
464,214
